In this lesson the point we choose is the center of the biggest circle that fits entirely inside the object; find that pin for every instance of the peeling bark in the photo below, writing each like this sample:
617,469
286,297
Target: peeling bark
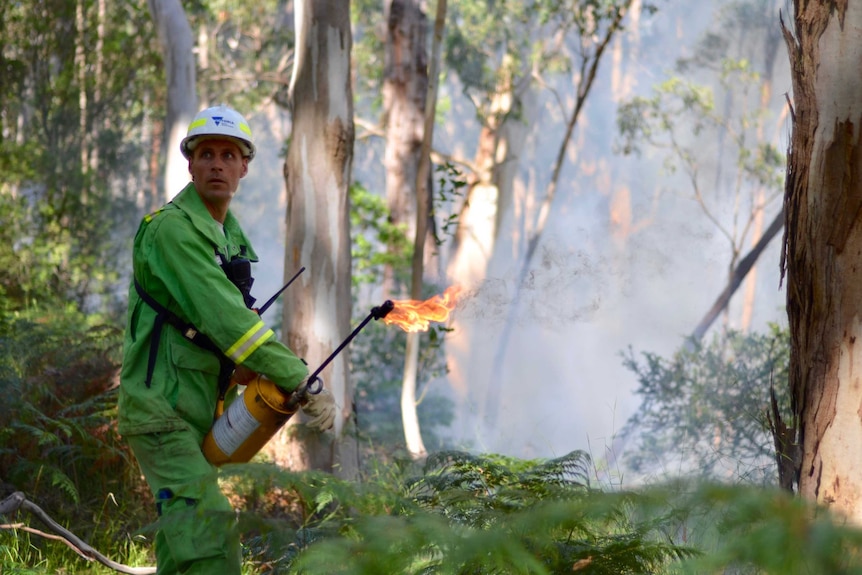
317,176
405,91
405,86
823,251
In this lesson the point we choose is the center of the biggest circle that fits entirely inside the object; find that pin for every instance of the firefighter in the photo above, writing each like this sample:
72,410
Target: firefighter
189,330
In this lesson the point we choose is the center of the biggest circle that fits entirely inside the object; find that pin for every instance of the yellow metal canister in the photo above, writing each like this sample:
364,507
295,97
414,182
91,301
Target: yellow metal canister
249,422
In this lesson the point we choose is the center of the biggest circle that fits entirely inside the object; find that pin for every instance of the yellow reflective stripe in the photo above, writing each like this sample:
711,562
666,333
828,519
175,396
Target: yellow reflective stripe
250,341
246,129
149,217
198,123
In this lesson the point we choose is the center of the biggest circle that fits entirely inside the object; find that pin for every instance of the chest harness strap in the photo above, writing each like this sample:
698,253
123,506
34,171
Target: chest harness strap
163,314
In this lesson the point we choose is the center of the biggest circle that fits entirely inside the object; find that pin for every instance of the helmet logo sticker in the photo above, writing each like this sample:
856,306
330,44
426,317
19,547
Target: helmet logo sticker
219,120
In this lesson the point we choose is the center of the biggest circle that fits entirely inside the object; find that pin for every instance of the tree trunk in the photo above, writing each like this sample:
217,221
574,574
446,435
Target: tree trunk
480,212
405,89
175,37
739,273
81,69
99,80
405,85
823,198
317,176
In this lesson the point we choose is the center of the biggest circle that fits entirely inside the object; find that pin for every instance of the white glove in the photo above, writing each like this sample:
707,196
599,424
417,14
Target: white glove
320,408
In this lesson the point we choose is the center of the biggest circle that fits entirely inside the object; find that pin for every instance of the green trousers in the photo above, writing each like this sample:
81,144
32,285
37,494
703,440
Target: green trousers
197,530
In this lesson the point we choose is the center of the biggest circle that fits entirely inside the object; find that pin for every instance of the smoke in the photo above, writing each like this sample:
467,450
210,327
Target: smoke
627,259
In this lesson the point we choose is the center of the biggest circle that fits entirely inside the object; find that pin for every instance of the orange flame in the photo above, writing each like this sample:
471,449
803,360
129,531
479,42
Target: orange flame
413,315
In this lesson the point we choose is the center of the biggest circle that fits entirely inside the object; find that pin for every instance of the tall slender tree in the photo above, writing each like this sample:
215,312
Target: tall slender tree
177,42
405,88
823,232
317,174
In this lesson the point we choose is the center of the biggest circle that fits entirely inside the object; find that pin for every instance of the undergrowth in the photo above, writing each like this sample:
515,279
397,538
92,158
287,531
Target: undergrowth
486,514
59,445
460,513
457,513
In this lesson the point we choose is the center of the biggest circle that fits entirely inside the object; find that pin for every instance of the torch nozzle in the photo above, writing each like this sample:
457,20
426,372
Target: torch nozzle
382,310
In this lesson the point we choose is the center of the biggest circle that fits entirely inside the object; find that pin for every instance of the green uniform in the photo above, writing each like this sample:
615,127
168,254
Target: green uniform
176,262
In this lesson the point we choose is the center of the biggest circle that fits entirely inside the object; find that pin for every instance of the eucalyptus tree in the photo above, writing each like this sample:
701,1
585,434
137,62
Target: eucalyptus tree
317,174
405,91
407,79
423,227
177,43
823,195
497,54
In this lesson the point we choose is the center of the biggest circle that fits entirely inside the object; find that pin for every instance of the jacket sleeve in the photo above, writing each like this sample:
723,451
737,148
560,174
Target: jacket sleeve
183,266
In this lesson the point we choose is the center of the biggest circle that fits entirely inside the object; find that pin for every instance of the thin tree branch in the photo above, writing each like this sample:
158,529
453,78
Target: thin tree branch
22,527
18,501
739,273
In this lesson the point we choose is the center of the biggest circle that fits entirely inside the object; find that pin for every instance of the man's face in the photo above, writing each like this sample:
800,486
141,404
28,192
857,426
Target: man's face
216,167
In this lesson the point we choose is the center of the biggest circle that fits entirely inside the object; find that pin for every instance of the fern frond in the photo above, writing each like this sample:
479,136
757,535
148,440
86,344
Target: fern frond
42,437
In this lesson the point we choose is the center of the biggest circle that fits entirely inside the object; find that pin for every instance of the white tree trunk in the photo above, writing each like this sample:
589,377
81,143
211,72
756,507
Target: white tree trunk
477,224
824,244
175,37
317,175
81,69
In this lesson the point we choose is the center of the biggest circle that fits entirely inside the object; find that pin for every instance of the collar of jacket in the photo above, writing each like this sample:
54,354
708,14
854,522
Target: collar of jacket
190,202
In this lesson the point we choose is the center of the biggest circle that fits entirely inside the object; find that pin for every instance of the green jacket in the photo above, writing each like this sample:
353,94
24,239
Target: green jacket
175,260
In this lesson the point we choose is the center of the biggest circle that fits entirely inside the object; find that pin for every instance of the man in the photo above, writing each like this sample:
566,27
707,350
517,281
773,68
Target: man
189,330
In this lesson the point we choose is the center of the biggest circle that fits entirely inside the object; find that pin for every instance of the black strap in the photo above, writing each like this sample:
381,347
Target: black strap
188,331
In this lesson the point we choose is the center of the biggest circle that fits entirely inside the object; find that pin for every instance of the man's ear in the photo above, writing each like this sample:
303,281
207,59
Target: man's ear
244,167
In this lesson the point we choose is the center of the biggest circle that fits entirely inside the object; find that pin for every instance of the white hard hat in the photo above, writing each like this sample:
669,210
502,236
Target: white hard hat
219,121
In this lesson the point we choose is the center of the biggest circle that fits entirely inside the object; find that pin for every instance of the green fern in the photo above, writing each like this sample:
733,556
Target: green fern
59,443
462,513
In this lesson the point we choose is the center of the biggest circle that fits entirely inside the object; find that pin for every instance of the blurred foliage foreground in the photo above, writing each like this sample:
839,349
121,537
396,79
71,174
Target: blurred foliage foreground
456,513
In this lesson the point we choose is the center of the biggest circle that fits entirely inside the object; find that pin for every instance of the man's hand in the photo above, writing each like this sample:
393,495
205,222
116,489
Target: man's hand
320,408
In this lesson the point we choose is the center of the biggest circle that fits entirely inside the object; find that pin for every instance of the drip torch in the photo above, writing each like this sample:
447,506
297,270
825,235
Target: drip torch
255,417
